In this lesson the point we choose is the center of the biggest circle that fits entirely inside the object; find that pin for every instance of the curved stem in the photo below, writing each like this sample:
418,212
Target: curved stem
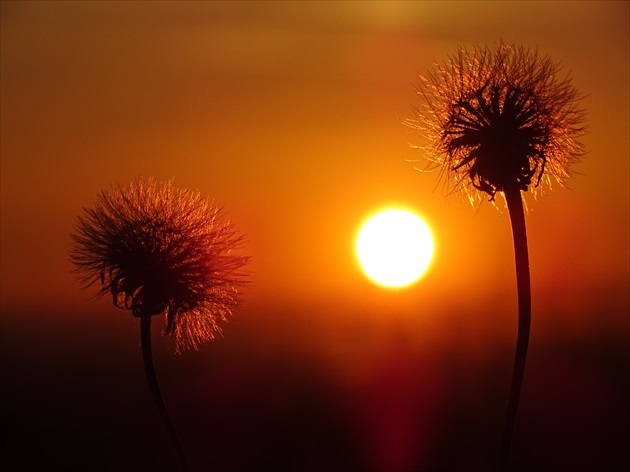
519,235
147,357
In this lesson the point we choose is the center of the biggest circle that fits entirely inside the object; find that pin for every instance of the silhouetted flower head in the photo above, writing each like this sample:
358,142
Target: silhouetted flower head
499,117
158,249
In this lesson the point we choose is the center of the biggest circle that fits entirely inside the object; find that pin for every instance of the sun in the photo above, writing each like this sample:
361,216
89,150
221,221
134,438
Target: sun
394,248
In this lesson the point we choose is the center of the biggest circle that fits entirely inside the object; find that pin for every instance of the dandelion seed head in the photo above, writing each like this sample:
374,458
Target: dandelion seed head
156,249
499,117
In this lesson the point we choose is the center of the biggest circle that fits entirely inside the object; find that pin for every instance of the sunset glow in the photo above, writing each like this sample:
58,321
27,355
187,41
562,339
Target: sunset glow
388,347
394,248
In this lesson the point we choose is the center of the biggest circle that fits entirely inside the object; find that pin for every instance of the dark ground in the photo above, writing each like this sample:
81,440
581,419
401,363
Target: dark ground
74,397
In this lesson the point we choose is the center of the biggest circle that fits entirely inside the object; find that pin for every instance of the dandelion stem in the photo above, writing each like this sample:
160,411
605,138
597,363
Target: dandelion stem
519,235
145,339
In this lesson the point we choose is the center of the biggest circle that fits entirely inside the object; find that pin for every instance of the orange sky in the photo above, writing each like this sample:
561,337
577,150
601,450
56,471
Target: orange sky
289,114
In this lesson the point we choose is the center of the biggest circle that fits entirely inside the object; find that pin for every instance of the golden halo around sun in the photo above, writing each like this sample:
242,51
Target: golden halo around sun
394,248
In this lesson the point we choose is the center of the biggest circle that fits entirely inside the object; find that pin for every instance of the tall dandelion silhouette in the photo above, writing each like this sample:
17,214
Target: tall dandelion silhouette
159,250
500,120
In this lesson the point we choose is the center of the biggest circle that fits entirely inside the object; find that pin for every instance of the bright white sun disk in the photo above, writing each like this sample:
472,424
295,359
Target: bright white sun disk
394,247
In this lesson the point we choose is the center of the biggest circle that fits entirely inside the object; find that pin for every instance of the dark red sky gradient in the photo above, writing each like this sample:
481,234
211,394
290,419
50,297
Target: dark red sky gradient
290,115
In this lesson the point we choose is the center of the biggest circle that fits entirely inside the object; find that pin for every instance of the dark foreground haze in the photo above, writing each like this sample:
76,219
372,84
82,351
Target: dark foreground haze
74,397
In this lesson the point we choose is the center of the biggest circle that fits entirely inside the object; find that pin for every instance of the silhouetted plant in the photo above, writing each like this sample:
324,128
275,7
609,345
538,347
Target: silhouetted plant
500,120
160,250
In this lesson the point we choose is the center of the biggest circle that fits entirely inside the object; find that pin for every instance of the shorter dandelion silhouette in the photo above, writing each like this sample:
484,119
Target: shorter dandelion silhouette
160,250
499,120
